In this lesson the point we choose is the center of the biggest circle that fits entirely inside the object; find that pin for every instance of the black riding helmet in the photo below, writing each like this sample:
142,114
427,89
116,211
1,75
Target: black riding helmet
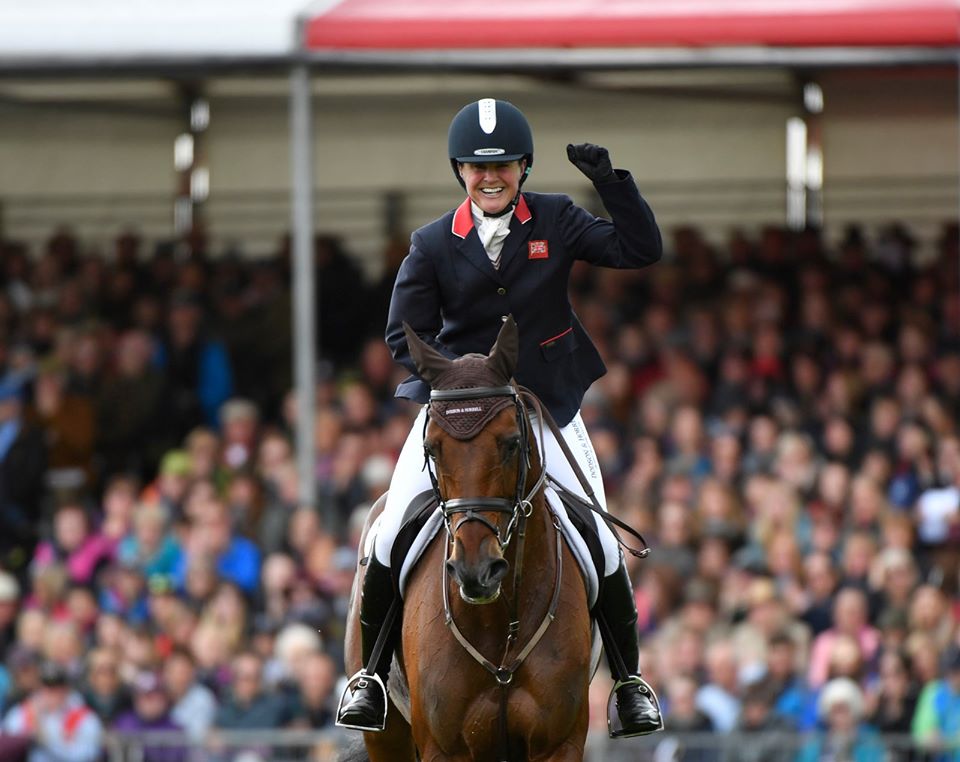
489,130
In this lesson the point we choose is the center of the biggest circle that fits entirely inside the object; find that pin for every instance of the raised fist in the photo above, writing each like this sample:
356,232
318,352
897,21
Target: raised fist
593,161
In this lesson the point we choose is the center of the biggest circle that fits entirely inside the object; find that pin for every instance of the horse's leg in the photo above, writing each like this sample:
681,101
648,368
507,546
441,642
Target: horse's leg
569,752
432,753
395,743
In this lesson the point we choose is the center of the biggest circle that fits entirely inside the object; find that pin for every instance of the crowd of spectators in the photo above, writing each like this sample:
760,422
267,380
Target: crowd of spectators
779,418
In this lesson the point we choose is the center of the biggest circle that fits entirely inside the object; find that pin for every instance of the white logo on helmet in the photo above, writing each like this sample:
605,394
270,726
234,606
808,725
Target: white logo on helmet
489,152
487,110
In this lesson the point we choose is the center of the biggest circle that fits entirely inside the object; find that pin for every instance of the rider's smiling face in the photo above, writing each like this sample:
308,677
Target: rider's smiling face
492,185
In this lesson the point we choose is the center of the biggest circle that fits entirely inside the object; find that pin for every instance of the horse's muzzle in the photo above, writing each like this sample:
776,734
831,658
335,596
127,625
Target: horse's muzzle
479,583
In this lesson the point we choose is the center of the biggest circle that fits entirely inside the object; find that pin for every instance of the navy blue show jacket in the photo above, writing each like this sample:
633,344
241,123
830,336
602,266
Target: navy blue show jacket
452,296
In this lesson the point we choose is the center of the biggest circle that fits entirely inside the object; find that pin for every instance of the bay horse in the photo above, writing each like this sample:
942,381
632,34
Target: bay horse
496,631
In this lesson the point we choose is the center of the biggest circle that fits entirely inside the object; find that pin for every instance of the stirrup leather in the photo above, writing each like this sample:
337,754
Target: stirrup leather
362,679
614,727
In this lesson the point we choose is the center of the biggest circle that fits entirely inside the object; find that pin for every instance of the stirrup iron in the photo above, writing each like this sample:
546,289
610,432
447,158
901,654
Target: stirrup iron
614,728
362,679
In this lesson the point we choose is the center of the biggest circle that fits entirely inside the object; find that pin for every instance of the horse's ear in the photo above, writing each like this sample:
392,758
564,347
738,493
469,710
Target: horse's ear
506,350
430,363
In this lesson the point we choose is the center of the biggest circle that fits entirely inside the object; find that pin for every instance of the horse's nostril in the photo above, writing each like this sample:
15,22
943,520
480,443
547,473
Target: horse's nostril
497,570
453,570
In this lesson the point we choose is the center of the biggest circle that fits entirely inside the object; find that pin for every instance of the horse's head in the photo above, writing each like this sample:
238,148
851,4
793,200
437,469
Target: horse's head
478,443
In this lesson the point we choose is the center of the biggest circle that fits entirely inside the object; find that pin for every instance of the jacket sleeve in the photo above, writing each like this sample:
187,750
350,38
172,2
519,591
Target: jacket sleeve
416,301
630,239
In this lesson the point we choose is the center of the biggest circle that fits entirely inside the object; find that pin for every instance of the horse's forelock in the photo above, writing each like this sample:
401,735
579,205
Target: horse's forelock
467,372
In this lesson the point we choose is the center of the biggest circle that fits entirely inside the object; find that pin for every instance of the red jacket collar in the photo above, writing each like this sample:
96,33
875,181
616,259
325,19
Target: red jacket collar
463,217
522,212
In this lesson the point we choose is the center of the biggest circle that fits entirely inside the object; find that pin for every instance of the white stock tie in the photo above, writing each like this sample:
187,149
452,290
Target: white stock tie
492,231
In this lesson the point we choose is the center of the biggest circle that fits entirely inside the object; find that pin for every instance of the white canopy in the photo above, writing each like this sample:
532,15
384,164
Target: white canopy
52,33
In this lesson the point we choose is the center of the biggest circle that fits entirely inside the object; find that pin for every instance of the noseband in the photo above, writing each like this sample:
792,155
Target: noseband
519,507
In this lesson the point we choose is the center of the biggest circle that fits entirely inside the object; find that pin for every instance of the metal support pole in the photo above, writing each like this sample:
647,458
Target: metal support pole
304,302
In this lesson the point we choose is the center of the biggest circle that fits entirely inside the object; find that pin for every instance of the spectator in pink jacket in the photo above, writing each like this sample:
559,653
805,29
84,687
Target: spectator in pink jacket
74,544
849,618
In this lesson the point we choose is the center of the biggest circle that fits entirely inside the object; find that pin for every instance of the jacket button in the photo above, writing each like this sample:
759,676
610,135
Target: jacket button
503,318
502,291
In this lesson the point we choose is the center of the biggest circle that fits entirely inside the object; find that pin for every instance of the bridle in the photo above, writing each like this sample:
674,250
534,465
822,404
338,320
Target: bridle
519,507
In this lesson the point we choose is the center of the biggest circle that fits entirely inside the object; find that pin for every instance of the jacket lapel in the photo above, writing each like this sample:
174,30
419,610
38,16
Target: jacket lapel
468,242
520,230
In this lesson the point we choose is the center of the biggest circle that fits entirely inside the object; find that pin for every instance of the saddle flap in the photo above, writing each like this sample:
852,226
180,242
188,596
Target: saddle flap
579,513
415,517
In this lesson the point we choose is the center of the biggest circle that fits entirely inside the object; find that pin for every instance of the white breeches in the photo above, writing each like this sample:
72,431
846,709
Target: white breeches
410,479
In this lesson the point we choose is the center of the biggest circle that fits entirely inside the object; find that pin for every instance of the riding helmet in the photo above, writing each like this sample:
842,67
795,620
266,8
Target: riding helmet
489,130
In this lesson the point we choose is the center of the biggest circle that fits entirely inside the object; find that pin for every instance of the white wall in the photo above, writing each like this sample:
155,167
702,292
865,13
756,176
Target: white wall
890,142
98,172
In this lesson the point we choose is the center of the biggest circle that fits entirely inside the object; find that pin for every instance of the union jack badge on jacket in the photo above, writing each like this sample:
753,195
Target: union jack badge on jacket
537,250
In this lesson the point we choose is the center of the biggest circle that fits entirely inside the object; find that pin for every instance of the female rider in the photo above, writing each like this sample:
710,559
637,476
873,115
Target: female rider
504,252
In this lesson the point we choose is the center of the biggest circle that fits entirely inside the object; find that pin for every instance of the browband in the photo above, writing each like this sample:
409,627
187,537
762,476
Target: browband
475,393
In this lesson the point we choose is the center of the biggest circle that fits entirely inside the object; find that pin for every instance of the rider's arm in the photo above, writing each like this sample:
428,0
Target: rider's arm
630,239
415,301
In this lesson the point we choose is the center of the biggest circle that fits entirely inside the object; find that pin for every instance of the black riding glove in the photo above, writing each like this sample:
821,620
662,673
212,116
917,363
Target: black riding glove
593,161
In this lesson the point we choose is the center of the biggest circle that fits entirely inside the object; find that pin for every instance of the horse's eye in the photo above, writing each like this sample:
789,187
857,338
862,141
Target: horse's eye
429,451
510,446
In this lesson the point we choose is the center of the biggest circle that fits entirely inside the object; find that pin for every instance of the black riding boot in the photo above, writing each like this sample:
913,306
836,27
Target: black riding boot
367,709
637,705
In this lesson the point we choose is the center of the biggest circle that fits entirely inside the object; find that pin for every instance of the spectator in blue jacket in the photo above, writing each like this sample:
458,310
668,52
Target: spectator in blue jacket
841,709
237,559
248,706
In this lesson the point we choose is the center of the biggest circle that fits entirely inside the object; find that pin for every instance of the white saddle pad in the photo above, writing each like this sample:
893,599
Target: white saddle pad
435,523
